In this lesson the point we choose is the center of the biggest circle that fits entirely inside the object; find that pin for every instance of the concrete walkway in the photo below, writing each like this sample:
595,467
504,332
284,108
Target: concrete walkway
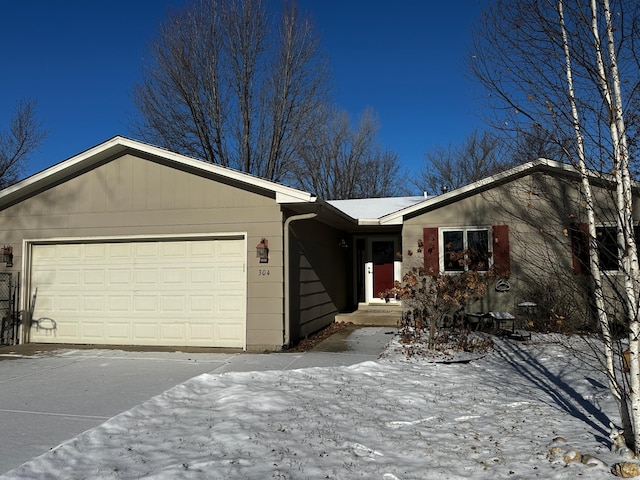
47,397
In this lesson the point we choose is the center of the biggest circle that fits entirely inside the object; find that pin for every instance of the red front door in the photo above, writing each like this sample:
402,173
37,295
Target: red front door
383,256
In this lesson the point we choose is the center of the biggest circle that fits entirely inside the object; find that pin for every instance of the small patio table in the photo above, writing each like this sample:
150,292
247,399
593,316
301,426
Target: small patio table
496,320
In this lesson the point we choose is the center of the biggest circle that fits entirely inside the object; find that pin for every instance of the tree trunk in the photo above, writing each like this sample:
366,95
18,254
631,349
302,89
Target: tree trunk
594,259
432,332
627,252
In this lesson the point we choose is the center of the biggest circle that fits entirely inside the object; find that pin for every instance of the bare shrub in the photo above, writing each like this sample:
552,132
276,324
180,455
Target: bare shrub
558,308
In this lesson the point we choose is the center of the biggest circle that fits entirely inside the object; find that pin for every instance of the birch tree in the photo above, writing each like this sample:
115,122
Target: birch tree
229,82
594,260
556,64
610,84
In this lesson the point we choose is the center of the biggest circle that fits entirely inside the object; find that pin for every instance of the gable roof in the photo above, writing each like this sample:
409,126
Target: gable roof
390,211
118,146
374,208
396,218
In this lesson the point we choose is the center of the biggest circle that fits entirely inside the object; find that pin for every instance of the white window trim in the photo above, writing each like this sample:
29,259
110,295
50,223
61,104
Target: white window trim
465,229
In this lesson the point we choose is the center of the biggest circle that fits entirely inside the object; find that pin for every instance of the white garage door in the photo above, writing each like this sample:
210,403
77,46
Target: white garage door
174,293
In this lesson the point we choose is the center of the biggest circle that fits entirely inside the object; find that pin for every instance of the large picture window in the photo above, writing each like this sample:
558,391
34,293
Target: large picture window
466,249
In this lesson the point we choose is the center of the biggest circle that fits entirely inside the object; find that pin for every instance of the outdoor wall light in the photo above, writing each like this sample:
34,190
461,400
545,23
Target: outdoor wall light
7,255
343,243
262,251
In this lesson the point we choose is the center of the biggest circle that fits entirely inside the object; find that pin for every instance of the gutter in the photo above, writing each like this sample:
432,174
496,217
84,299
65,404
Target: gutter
286,322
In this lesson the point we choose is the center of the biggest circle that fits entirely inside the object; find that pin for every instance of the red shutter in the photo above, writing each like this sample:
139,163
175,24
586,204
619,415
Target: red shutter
579,233
501,255
431,251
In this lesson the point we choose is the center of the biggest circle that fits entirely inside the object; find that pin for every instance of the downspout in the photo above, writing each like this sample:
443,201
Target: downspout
286,327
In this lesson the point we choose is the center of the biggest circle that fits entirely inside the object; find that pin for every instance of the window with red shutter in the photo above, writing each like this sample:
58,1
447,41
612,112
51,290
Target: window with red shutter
466,248
579,233
501,253
431,251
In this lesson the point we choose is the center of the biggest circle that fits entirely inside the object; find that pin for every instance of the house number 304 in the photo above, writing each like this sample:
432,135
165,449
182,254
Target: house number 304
263,273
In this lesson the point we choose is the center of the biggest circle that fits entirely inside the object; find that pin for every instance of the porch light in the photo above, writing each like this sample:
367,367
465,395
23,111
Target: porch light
7,255
262,251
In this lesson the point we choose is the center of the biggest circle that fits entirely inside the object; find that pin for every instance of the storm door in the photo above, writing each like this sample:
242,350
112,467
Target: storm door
383,267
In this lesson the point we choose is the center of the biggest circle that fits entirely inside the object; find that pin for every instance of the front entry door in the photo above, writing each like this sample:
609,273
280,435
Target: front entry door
381,270
383,256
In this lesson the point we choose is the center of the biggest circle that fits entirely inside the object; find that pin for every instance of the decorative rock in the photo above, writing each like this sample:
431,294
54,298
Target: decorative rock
556,448
591,461
554,452
626,470
572,456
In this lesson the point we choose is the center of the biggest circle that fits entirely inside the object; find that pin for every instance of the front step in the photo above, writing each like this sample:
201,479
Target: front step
373,315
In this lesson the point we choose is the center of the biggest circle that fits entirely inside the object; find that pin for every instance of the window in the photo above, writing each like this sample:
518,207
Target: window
607,248
606,239
466,249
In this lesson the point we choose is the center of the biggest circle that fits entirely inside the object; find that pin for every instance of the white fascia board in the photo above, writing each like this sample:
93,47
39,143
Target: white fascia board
369,221
297,196
392,219
114,145
95,154
396,218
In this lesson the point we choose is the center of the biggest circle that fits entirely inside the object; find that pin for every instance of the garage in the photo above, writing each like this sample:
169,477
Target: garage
142,291
131,244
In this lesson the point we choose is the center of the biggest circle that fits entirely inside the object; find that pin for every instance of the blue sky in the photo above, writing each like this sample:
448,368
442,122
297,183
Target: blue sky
80,59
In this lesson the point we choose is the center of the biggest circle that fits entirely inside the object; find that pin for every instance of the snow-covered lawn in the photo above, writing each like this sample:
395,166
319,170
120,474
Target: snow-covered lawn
395,418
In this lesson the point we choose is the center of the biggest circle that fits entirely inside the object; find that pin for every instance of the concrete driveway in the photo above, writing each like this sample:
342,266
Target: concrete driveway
48,396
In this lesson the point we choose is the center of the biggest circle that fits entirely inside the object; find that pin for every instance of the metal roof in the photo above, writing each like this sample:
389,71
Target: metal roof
374,208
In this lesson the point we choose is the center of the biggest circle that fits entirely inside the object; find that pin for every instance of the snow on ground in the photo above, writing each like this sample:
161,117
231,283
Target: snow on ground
396,418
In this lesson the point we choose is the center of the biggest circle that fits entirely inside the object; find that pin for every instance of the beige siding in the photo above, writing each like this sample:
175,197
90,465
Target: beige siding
539,210
319,277
132,196
265,339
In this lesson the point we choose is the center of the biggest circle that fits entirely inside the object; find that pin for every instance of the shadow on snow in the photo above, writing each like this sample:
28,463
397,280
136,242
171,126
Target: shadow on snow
559,393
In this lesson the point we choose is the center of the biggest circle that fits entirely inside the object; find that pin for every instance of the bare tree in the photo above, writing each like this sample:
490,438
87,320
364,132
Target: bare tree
536,142
339,162
479,156
18,142
483,154
230,84
557,65
518,56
